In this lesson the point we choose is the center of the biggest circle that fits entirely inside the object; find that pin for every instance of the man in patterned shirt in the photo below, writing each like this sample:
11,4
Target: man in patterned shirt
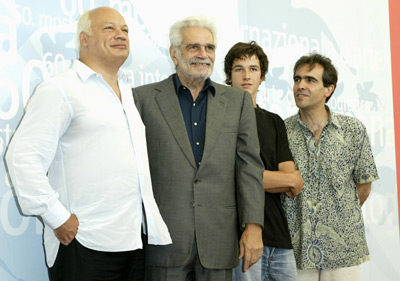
334,156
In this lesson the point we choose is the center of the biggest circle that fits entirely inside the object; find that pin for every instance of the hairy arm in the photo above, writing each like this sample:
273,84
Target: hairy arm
287,180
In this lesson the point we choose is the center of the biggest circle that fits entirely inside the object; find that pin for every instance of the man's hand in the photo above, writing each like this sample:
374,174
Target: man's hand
251,245
298,184
67,231
364,190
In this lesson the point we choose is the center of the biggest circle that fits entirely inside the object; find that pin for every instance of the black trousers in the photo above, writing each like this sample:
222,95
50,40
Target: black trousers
78,263
192,270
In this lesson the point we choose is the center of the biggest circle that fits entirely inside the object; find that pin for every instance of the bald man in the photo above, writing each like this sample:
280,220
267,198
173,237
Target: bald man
79,161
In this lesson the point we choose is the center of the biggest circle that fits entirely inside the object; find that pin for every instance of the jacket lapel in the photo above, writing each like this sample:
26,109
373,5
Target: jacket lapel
168,103
215,116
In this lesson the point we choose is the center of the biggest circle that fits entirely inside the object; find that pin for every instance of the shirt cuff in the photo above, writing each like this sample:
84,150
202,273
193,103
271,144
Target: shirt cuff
56,216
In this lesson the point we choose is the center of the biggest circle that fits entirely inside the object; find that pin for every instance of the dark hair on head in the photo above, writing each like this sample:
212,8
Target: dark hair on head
245,50
330,74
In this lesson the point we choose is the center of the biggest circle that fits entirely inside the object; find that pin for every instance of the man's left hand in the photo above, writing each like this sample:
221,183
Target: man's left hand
251,245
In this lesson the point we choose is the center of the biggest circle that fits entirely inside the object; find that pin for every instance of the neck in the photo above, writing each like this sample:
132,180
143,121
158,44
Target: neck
315,120
195,85
254,98
102,67
109,74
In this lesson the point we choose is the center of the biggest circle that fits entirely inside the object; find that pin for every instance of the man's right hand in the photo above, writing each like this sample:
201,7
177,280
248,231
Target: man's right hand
298,185
67,231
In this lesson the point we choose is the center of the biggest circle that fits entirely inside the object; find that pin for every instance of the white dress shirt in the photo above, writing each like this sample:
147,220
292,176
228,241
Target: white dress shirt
80,150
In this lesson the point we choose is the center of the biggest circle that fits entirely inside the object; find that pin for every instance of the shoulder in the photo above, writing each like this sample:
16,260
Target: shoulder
291,121
63,78
235,98
231,91
268,116
156,85
59,86
347,123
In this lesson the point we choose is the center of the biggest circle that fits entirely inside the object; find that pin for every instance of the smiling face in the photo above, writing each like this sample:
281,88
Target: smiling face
109,41
195,59
308,89
246,74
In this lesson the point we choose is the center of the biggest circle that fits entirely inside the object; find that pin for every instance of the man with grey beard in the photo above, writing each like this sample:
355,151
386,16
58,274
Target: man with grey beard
204,162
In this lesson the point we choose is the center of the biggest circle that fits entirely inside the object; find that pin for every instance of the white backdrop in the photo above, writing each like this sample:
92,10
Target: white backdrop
37,40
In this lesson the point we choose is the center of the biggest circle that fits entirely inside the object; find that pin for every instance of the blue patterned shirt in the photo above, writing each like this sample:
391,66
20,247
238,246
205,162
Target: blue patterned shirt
325,221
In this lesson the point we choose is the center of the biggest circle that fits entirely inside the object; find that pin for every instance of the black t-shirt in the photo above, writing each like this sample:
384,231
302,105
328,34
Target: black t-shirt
274,149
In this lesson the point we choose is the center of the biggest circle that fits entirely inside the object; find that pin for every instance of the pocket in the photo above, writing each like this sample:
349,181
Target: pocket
230,206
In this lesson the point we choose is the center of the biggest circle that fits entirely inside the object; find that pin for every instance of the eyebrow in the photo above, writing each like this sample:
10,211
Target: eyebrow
188,45
239,65
305,77
114,23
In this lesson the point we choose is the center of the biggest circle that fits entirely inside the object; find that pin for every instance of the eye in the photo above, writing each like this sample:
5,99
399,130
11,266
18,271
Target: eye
254,69
296,79
192,47
210,48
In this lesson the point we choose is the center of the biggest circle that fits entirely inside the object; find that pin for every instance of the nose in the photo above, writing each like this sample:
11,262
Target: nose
246,74
202,52
120,34
301,84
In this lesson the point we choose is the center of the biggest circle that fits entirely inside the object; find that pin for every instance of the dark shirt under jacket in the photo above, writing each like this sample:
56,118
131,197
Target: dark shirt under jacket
194,113
274,149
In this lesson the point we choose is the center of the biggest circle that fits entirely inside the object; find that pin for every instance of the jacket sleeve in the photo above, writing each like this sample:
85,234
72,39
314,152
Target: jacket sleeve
249,168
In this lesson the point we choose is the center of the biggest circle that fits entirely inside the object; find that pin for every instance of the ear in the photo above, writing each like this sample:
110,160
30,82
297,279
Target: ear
172,53
329,90
83,39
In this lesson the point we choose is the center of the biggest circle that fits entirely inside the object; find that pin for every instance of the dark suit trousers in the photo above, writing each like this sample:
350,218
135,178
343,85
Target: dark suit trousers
78,263
192,270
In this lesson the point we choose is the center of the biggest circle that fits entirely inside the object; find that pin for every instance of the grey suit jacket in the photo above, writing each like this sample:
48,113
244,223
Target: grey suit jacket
209,203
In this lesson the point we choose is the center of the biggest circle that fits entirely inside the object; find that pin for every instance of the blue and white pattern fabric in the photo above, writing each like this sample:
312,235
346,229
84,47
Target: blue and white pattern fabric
325,221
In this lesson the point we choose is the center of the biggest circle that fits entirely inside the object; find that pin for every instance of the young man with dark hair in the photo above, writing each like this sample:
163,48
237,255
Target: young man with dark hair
246,65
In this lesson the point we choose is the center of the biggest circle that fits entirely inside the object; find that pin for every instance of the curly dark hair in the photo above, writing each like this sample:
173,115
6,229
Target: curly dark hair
245,50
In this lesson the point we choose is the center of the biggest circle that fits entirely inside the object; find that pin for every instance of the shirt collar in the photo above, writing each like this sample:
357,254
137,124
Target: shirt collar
332,119
85,72
208,85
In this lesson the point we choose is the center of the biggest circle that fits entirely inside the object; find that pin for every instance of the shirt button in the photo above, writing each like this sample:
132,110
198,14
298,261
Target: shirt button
315,203
314,229
195,123
197,143
199,163
194,104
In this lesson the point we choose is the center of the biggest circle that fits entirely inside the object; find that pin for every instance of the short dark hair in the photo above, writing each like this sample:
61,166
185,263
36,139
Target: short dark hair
243,50
330,74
